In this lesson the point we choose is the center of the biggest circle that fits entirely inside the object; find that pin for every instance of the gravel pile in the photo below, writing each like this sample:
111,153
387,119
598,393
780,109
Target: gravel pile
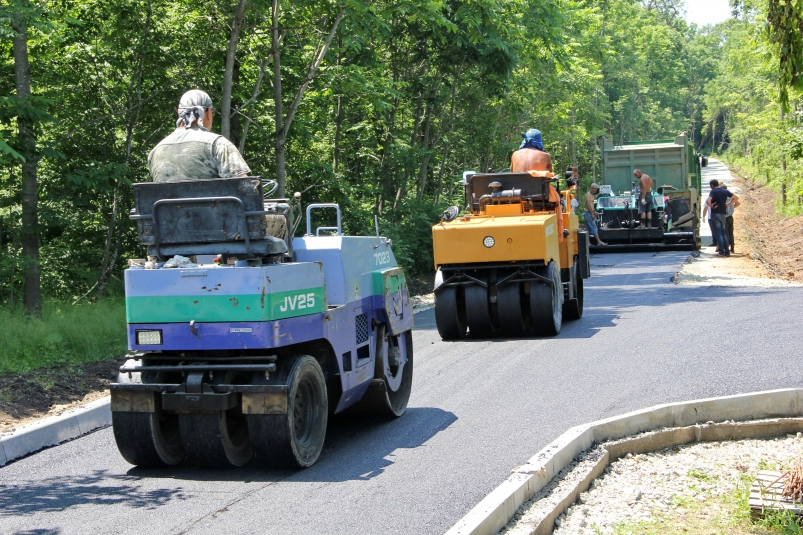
637,487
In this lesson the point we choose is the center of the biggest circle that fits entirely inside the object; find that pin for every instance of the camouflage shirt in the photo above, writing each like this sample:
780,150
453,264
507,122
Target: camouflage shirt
192,153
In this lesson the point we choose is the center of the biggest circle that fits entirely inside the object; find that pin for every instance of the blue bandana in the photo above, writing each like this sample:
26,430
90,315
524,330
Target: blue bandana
532,140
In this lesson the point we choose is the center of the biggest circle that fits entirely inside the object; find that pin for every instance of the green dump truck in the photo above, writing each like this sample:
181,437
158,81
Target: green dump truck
675,171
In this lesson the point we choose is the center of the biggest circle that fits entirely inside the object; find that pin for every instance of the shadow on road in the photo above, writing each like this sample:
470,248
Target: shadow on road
357,447
61,493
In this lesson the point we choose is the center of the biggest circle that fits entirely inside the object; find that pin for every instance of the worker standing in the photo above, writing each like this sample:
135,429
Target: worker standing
590,214
645,204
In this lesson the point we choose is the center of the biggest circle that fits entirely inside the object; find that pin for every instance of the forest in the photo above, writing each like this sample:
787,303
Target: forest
377,105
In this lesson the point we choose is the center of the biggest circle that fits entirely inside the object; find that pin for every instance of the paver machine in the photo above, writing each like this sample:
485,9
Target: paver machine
513,264
245,339
674,168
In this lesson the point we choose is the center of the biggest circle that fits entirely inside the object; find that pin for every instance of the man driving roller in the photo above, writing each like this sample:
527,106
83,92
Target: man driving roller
531,155
192,151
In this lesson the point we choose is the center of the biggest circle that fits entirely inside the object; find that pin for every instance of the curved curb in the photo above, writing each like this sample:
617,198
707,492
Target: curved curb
55,430
497,508
74,423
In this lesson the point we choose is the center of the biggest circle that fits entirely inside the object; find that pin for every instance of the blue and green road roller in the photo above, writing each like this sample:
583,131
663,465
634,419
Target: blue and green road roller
245,339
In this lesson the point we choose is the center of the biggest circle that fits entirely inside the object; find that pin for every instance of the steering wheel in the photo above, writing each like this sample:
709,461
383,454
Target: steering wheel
269,187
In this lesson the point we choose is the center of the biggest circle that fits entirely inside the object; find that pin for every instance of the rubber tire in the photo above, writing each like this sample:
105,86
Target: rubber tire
546,303
149,440
380,399
478,312
573,308
275,440
450,313
511,316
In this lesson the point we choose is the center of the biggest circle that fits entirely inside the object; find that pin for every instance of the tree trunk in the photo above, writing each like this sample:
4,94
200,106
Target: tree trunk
228,74
283,122
427,155
277,99
32,287
107,265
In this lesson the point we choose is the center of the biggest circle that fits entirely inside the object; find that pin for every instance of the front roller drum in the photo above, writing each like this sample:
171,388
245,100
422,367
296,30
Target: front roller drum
394,368
546,302
450,312
573,308
294,439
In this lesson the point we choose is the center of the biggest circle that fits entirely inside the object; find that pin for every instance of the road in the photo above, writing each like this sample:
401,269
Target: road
478,409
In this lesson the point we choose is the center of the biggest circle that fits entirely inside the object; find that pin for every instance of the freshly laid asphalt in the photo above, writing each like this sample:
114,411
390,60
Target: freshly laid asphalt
478,409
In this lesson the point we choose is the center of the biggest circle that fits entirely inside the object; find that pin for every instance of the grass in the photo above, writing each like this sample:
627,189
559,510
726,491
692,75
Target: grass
728,514
66,335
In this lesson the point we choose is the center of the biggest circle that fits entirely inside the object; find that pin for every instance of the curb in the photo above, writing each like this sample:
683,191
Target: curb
55,430
497,508
72,424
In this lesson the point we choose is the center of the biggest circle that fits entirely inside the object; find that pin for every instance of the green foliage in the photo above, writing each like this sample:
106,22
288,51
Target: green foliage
66,335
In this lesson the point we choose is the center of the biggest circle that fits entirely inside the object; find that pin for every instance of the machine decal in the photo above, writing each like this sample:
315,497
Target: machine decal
224,308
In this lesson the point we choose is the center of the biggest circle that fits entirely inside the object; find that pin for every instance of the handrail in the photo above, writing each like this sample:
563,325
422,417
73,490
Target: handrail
319,229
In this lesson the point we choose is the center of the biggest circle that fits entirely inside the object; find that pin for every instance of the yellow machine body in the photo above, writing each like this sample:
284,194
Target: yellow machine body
514,237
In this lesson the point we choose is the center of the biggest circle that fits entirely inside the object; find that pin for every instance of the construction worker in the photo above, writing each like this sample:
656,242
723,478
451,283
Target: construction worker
591,215
192,151
645,202
531,155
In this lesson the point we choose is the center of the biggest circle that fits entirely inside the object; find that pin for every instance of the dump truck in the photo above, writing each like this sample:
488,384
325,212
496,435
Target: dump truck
675,170
245,338
513,264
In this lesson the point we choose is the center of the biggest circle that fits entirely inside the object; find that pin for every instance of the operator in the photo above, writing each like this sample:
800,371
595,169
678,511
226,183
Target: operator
192,151
531,155
646,202
591,214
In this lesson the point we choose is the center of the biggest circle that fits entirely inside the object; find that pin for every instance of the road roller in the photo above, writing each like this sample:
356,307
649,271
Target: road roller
513,264
244,339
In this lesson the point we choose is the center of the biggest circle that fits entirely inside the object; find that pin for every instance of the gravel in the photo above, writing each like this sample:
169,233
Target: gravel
638,487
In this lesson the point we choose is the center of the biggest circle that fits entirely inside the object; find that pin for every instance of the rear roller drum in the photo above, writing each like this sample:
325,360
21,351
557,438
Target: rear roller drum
295,439
546,303
511,316
450,312
573,308
478,312
394,366
147,439
217,439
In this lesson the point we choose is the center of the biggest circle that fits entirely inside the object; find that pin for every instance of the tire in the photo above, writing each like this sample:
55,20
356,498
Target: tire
217,439
147,439
389,397
295,439
450,312
511,314
478,312
546,303
573,308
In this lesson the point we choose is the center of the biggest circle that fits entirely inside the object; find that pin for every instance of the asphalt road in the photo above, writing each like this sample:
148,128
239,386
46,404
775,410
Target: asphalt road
478,409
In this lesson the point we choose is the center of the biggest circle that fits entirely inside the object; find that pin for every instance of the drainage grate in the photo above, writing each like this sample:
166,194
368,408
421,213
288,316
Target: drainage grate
361,324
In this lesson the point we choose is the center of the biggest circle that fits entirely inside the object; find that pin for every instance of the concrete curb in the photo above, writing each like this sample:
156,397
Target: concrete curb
498,507
55,430
79,421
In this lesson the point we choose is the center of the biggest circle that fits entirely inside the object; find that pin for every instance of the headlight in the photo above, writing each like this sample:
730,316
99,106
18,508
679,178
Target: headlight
149,338
488,242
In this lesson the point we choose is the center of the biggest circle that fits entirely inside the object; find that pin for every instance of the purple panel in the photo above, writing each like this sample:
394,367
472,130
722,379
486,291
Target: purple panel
211,336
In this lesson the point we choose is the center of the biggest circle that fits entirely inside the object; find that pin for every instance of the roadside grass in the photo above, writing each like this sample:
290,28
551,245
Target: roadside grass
727,514
66,335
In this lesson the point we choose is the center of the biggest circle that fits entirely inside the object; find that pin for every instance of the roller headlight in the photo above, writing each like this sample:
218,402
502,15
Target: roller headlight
488,242
149,338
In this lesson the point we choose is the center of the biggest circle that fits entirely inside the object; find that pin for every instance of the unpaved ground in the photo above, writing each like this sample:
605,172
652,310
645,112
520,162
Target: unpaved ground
769,247
26,398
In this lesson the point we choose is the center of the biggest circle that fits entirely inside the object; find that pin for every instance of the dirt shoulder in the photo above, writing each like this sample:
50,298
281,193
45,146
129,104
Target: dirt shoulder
29,397
769,247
